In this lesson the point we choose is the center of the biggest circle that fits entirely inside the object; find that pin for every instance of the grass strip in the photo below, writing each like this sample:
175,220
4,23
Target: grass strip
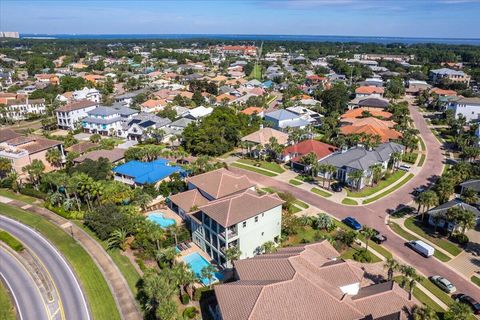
11,241
475,280
422,144
122,262
301,204
254,169
321,193
269,190
367,191
16,196
422,160
295,182
348,254
99,297
410,237
349,202
272,166
7,310
396,187
446,245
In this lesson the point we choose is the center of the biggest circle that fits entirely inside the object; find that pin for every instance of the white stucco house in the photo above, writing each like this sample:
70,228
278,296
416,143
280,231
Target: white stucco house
467,107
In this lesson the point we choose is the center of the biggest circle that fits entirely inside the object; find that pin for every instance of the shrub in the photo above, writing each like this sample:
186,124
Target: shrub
362,256
197,295
459,238
29,191
185,298
190,312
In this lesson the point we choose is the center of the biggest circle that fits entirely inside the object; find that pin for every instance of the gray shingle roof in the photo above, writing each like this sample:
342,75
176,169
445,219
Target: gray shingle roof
443,208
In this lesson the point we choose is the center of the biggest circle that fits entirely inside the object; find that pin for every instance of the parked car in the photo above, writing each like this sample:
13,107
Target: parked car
379,238
337,187
418,190
469,301
443,284
352,223
404,167
421,247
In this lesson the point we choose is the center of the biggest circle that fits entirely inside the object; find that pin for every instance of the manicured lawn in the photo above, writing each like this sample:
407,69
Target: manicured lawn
20,197
410,157
422,297
306,235
367,191
269,190
99,297
301,204
439,293
256,73
122,262
7,310
254,169
304,178
422,160
321,193
349,202
413,225
272,166
475,280
348,254
383,194
406,235
295,182
11,241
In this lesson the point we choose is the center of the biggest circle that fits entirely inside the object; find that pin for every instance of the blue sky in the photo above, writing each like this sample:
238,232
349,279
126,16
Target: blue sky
410,18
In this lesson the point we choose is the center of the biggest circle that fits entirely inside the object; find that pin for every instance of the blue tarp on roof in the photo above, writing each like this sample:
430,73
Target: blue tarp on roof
147,172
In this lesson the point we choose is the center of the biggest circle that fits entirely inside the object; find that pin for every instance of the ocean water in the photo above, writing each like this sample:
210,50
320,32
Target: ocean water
251,37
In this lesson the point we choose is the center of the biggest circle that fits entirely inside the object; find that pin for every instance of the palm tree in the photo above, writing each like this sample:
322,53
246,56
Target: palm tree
376,170
324,222
34,170
331,170
310,160
458,311
424,313
469,196
356,177
118,239
467,220
368,233
184,277
269,247
54,157
208,272
392,265
155,290
232,253
166,256
426,199
409,276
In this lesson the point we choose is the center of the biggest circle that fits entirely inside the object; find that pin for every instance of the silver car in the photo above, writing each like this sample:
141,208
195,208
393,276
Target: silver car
443,284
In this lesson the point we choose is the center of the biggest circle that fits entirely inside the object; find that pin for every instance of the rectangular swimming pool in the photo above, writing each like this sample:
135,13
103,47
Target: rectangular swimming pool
196,263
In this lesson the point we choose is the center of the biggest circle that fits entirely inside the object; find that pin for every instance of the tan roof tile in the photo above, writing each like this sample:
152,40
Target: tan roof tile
221,183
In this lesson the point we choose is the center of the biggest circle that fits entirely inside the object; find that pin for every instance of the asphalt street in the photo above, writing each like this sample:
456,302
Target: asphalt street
73,300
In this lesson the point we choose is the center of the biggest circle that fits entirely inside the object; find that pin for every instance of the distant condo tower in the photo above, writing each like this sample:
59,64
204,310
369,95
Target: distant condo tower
9,34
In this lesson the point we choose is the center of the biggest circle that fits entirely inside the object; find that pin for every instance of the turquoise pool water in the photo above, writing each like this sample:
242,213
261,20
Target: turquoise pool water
196,263
158,218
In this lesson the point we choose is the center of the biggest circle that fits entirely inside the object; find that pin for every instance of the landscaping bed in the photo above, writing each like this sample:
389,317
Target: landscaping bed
295,182
349,201
321,193
367,191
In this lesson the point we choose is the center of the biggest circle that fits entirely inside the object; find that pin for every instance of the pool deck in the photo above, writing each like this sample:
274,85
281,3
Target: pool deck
168,214
193,248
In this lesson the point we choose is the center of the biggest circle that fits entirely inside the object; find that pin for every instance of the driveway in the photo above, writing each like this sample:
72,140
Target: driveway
375,214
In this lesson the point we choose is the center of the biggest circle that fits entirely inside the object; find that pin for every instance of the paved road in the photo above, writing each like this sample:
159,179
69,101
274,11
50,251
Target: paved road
374,214
73,300
27,297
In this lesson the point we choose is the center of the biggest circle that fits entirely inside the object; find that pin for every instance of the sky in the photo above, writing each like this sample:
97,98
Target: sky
402,18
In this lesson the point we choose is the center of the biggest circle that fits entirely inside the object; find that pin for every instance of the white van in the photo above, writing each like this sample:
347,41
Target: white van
421,247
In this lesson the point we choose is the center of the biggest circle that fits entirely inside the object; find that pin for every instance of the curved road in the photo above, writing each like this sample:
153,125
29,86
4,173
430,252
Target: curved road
73,300
374,214
27,297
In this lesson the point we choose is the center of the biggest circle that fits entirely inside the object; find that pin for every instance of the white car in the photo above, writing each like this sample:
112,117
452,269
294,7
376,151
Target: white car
443,284
404,167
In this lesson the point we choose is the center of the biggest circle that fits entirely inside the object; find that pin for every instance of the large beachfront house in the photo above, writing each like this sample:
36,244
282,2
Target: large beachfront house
361,159
225,211
469,108
107,120
69,115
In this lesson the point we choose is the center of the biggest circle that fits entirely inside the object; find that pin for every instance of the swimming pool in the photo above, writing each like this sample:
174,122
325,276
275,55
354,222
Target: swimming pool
196,263
158,218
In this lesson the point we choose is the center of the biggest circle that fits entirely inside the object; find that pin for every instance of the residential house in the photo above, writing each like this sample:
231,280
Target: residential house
369,91
473,184
359,158
360,112
127,98
107,120
198,112
370,126
313,118
47,78
153,106
139,173
437,215
253,111
69,115
469,108
91,94
22,150
20,107
283,119
139,126
438,75
416,86
308,282
262,138
294,153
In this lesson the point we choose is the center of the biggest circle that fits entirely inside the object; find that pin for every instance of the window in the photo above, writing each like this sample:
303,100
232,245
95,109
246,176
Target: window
263,233
256,219
244,224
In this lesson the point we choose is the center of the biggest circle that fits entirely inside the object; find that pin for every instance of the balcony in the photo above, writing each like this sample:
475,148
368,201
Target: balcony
230,233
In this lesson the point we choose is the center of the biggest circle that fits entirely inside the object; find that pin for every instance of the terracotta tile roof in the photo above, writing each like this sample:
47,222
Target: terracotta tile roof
305,282
237,208
7,134
77,105
370,121
320,149
369,90
82,147
221,183
371,126
33,144
252,110
229,97
442,92
188,199
112,155
263,136
357,113
153,103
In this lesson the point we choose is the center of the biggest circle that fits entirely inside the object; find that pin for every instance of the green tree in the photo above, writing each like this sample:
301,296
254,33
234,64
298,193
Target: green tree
208,272
368,233
324,222
54,157
427,199
355,176
118,239
424,313
5,167
34,171
232,253
269,247
458,311
391,265
469,196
